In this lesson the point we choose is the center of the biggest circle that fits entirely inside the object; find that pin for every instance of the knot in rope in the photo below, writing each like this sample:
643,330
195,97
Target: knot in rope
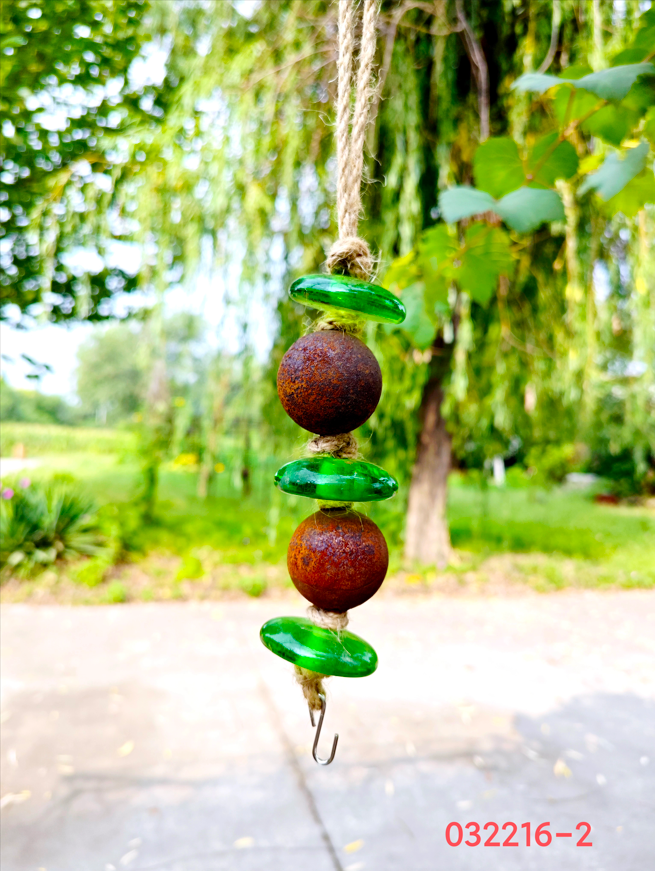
350,255
343,445
328,619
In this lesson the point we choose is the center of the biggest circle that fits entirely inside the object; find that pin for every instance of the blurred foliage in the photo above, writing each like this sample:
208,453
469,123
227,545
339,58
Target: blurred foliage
38,440
115,594
121,530
547,538
550,464
30,406
111,374
66,106
201,139
40,524
535,365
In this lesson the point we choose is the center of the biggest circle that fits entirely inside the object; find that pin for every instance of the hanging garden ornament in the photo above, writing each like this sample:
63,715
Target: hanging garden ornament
330,383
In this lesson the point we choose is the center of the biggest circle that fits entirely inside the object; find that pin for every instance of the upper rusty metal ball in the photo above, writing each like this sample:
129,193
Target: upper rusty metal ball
329,382
337,559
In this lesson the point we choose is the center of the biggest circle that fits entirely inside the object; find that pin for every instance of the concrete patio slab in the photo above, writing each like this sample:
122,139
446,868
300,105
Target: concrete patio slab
165,736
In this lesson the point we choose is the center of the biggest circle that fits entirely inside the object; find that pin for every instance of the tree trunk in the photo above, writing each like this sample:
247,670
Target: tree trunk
427,539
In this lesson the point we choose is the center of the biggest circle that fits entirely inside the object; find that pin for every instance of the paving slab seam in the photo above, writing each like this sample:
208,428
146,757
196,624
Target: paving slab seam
302,783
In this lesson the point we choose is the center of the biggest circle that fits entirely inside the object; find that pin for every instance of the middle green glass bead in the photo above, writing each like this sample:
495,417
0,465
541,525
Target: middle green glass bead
298,640
335,479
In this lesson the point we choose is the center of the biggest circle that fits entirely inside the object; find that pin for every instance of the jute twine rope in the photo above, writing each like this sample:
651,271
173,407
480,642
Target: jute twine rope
343,445
350,255
311,682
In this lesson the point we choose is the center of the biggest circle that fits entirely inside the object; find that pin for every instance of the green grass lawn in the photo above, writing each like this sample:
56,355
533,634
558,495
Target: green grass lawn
546,540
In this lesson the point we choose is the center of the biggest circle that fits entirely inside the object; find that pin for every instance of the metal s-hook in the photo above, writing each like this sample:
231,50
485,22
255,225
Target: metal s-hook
318,734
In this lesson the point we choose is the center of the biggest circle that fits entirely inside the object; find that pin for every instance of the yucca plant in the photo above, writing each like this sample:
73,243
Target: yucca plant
41,523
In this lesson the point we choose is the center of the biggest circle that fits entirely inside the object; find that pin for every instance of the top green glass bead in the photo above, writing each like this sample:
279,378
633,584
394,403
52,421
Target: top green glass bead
298,640
335,479
344,293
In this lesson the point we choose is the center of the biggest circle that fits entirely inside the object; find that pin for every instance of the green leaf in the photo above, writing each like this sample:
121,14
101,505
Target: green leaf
498,167
437,243
642,44
464,202
570,104
610,84
562,162
612,123
634,196
417,325
627,56
538,83
615,174
436,247
615,82
649,126
641,95
525,209
486,255
436,293
402,272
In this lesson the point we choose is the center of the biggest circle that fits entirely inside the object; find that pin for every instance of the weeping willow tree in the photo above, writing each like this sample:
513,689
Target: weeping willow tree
231,150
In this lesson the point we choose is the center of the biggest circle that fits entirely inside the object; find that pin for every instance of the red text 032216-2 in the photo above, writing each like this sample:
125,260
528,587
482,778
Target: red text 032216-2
512,835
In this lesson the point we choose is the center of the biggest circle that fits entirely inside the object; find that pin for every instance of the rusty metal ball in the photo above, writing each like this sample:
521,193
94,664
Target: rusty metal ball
337,559
329,382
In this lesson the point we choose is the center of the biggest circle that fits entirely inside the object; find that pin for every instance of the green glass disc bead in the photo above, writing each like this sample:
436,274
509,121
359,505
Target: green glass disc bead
324,651
344,293
337,480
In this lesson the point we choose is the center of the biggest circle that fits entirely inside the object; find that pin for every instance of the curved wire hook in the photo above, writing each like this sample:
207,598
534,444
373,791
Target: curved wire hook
318,734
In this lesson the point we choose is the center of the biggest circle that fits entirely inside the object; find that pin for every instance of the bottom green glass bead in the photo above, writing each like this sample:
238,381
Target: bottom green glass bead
324,651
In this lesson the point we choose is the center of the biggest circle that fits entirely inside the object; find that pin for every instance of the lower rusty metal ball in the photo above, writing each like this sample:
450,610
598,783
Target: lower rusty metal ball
329,382
337,559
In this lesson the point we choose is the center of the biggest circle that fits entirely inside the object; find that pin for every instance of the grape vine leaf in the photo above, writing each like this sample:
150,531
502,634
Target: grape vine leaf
612,123
562,162
634,196
438,244
461,202
498,167
612,83
525,209
522,210
486,256
615,174
418,324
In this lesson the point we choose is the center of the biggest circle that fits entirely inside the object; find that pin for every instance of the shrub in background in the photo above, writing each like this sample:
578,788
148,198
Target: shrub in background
624,476
120,527
551,463
41,523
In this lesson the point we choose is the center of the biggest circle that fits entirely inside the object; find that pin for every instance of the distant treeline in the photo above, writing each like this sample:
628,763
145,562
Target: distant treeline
43,439
30,406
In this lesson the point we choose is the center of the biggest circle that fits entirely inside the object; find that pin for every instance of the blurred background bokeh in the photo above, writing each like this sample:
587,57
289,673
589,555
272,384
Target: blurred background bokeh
169,168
